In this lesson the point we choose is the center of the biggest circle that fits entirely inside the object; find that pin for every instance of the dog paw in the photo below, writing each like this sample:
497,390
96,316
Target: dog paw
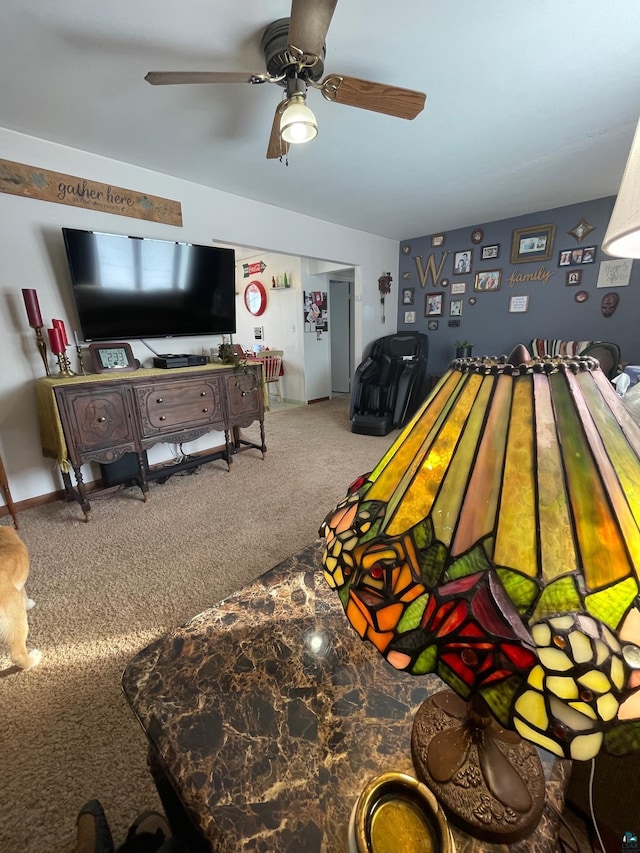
35,656
30,603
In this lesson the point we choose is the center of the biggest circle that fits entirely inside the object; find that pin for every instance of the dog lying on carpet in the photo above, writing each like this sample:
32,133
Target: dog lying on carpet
14,603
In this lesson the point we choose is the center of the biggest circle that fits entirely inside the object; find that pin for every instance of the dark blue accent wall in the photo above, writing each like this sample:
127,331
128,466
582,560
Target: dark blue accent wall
552,309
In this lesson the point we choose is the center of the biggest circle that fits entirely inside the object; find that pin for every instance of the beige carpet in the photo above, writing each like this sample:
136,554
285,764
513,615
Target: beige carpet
106,589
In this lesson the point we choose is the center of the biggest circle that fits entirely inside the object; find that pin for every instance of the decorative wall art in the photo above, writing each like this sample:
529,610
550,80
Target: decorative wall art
609,303
614,273
430,269
455,308
532,244
518,304
406,275
408,295
444,282
45,185
581,296
573,277
433,305
488,280
462,262
316,314
405,249
432,325
477,236
458,287
472,300
487,253
437,240
574,257
581,229
409,316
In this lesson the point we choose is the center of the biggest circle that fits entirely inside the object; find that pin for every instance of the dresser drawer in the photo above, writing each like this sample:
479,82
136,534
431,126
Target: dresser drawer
245,393
168,407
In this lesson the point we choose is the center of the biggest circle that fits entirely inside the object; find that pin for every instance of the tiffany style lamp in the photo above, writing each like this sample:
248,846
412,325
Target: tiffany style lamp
497,544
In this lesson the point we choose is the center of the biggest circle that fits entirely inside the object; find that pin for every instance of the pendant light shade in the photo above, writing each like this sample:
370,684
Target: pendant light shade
298,124
623,234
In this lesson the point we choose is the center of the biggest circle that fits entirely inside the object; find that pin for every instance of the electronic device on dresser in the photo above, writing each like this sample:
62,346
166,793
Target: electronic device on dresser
129,287
169,360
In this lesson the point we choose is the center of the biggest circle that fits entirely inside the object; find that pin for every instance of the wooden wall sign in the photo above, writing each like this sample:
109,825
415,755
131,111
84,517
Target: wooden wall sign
32,182
430,269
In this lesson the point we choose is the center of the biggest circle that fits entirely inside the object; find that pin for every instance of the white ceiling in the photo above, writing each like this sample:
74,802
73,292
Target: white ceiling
529,105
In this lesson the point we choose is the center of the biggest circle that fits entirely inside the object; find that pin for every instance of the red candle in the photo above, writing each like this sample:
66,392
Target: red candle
33,309
55,339
59,325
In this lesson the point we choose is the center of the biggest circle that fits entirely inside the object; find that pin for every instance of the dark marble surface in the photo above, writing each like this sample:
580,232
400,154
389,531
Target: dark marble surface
269,715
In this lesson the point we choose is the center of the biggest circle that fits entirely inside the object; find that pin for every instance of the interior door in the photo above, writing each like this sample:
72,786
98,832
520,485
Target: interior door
340,333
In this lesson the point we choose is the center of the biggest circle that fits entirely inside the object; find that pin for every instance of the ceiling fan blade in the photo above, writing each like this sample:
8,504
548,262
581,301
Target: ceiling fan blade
309,24
403,103
168,78
277,146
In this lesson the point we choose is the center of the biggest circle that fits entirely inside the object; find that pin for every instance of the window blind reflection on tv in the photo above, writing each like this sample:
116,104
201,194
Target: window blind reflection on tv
129,287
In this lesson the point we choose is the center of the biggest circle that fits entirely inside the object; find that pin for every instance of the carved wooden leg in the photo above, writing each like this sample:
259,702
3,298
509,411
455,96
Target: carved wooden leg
227,449
143,477
262,443
82,494
4,482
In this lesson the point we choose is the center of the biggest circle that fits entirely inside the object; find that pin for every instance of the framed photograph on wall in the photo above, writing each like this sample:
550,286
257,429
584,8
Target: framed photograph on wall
462,262
487,253
432,325
437,240
409,316
408,294
518,304
532,244
573,277
455,308
458,287
488,280
433,305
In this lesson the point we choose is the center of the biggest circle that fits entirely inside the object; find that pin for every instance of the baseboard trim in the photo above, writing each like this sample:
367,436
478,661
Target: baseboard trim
319,400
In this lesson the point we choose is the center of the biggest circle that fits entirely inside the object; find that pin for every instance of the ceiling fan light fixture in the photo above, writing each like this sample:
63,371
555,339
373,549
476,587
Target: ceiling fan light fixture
298,124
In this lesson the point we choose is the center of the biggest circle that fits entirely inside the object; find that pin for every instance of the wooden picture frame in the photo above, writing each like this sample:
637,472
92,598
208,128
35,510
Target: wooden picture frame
408,295
458,287
112,358
455,308
437,240
532,244
488,280
573,278
433,304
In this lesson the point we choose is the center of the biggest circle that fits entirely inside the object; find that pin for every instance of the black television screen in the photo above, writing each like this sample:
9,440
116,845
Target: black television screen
133,287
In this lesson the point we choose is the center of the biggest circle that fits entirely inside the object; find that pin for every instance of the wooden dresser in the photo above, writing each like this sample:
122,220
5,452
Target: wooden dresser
101,417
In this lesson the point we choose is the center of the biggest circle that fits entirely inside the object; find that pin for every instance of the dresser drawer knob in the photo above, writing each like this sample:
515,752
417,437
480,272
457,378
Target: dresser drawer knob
101,419
203,393
159,400
205,409
163,417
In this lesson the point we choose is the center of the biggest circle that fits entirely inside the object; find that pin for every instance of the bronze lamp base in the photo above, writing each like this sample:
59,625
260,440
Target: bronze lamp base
489,781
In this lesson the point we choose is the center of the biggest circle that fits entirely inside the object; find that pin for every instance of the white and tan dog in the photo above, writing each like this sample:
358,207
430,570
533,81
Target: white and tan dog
14,603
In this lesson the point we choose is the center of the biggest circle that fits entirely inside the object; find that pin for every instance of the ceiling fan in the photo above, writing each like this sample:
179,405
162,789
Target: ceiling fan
294,53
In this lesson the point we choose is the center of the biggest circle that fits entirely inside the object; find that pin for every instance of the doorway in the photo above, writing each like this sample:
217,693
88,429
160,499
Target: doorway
340,326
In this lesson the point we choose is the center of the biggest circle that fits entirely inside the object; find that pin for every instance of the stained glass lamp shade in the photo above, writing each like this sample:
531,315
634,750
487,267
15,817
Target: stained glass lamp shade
497,544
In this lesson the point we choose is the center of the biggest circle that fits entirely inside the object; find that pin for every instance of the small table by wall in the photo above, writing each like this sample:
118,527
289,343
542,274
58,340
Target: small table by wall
267,714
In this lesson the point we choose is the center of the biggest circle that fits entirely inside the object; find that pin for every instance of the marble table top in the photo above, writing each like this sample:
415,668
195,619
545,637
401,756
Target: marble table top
269,715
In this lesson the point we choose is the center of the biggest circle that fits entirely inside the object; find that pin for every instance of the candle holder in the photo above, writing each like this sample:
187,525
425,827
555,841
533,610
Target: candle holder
42,347
64,364
79,351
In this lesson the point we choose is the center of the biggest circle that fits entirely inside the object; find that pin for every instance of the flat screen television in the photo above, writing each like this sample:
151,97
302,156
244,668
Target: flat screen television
134,287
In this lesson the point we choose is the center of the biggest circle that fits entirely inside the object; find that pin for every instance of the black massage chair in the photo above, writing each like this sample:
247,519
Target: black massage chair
390,383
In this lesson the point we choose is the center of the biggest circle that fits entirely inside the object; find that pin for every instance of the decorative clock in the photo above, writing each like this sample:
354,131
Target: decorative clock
255,298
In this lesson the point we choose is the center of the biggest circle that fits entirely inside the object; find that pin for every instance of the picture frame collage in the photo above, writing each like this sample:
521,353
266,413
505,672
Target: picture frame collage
476,269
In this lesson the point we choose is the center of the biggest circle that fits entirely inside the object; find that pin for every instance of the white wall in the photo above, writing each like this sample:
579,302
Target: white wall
32,255
281,320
